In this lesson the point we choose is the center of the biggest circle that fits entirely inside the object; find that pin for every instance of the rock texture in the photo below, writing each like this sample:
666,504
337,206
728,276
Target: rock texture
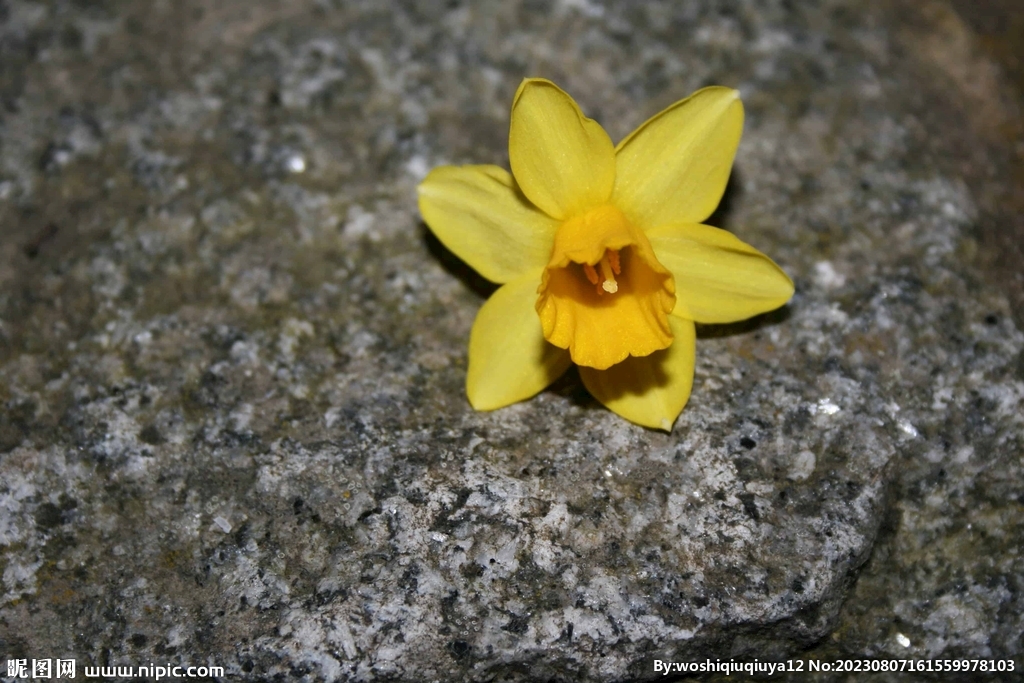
232,359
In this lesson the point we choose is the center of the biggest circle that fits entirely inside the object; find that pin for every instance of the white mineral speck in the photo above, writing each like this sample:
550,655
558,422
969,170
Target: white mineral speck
417,167
803,465
907,428
331,417
825,275
826,407
902,640
223,524
296,163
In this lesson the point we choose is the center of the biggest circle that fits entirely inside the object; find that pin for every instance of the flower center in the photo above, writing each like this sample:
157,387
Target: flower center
610,267
597,254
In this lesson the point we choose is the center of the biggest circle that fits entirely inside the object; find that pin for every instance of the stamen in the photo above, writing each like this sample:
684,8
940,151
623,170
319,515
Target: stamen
591,273
613,258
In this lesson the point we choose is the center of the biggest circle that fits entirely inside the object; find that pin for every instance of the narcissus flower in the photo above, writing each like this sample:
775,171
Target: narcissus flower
600,251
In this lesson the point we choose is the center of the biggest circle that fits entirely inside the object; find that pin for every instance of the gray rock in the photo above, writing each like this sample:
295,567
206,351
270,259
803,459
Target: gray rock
232,359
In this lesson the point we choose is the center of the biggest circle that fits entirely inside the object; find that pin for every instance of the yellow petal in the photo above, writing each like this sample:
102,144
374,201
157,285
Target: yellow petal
719,279
509,360
650,391
674,167
563,161
627,315
478,213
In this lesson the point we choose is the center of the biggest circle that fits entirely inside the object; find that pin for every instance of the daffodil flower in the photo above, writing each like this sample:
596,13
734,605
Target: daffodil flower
600,251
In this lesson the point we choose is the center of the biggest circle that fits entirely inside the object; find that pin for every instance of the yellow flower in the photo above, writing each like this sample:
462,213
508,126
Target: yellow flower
601,252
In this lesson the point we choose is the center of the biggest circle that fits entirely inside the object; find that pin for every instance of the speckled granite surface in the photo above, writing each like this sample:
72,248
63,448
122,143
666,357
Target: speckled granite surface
232,361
